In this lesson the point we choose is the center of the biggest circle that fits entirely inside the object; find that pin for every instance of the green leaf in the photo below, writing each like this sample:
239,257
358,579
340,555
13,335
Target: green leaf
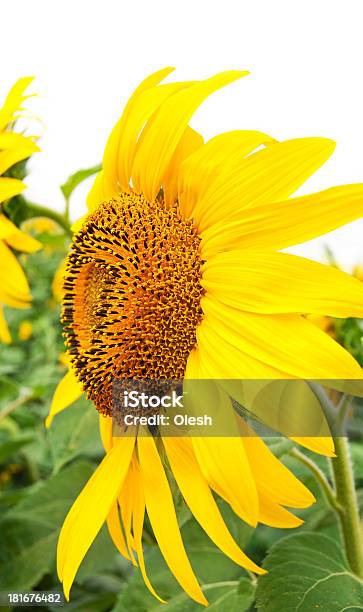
75,179
9,447
75,431
308,571
227,596
29,531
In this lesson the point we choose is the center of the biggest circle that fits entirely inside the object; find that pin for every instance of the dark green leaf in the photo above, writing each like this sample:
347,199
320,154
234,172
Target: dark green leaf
308,571
29,531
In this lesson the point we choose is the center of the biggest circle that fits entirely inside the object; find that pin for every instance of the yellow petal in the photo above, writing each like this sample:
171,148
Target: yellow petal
115,531
323,445
269,282
268,175
289,343
190,141
16,238
119,151
228,361
12,298
10,157
200,500
272,477
10,187
4,330
67,392
161,512
286,223
105,423
126,500
202,167
14,101
15,280
90,510
276,516
161,139
12,140
138,516
231,478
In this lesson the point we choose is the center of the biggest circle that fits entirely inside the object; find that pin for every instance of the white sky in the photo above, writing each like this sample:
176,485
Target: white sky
305,58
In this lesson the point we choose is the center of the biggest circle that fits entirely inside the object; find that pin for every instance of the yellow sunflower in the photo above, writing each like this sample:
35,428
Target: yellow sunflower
14,147
176,272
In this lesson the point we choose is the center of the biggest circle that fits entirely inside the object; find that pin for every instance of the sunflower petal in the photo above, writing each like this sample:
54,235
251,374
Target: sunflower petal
16,238
200,500
161,512
203,166
115,531
90,510
265,176
67,392
190,142
10,157
16,282
274,480
289,343
274,515
10,187
281,283
138,515
14,101
164,133
286,223
4,329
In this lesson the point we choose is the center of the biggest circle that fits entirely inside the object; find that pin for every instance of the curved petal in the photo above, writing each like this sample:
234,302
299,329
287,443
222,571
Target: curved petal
10,157
161,512
161,138
69,389
90,510
16,238
115,531
201,168
4,330
200,500
138,515
10,187
286,342
267,282
274,515
14,101
265,176
286,223
273,479
190,142
16,283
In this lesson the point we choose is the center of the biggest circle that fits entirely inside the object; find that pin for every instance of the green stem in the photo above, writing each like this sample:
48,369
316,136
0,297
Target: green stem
35,210
19,401
346,496
319,476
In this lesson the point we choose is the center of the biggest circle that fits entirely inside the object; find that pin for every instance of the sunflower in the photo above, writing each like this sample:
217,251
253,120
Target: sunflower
176,272
14,147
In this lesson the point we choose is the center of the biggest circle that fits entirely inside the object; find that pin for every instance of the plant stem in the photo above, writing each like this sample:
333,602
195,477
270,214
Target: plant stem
34,210
19,401
319,476
348,512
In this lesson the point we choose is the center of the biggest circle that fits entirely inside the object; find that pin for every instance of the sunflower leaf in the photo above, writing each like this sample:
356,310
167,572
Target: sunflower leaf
308,571
29,530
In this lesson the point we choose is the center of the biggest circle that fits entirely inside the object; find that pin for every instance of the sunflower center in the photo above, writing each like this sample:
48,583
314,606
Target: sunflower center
132,295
